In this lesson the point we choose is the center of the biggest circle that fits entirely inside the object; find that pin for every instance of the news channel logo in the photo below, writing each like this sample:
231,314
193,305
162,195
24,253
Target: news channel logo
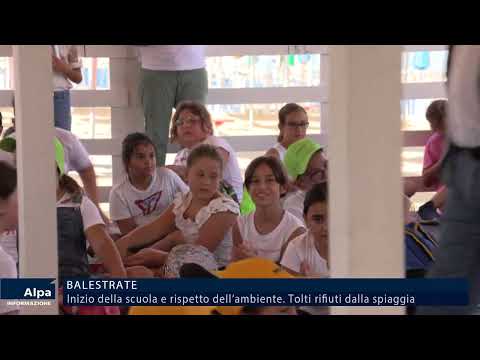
27,292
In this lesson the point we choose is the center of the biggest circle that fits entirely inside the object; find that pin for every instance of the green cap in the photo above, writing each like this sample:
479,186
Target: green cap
247,205
298,156
59,156
8,144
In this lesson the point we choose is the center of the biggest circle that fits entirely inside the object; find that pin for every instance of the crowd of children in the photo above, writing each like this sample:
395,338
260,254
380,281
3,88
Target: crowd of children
190,211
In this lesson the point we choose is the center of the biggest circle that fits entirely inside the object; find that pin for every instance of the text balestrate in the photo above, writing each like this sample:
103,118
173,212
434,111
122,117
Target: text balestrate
101,285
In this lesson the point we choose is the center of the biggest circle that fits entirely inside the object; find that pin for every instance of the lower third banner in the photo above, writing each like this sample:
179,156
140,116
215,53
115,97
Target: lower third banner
263,292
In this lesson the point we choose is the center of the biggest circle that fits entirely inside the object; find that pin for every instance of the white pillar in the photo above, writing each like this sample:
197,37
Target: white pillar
36,166
366,227
125,73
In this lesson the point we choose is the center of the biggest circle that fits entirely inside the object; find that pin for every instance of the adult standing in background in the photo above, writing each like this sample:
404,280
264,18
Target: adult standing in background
169,75
66,67
458,255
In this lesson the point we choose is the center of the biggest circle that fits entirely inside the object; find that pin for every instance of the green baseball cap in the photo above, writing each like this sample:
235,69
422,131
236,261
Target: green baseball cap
247,205
9,144
298,156
59,156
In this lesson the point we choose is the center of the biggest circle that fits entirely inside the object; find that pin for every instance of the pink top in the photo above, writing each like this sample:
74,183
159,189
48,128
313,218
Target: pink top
433,151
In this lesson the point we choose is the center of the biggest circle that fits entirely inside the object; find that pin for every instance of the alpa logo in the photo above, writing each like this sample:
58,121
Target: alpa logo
37,293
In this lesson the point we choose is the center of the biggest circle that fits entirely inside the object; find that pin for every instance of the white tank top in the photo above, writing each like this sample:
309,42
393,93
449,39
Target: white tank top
268,246
280,149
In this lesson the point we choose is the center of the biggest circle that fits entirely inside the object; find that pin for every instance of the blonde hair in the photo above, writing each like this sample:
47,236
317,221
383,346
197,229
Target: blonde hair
197,109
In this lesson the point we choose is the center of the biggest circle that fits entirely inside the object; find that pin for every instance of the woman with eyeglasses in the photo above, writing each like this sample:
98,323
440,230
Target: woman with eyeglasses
192,126
293,124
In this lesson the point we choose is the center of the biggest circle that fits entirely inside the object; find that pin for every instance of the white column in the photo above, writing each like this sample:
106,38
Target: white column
36,166
366,227
125,73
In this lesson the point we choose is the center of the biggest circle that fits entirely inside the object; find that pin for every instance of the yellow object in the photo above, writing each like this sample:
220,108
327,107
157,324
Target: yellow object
171,310
252,268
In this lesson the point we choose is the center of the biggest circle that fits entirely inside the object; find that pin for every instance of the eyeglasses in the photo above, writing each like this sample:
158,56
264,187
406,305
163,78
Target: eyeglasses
317,175
303,125
189,121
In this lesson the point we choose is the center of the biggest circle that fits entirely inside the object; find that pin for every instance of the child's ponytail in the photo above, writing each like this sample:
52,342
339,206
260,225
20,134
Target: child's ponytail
69,185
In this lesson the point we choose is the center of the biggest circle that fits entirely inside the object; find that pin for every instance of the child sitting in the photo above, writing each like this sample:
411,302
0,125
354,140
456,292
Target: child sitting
192,126
266,231
307,254
293,124
146,190
204,216
306,166
79,221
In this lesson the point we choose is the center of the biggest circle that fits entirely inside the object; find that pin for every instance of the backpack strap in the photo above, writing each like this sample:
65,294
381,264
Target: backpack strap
425,233
422,245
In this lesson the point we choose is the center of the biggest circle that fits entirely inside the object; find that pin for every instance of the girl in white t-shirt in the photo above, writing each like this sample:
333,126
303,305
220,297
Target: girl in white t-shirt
204,217
293,124
307,254
192,126
267,231
146,190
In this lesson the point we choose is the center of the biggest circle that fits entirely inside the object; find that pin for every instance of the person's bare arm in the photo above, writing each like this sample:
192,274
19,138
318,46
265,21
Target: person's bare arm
126,225
431,174
239,250
105,248
148,257
148,233
169,241
62,67
215,229
296,233
89,180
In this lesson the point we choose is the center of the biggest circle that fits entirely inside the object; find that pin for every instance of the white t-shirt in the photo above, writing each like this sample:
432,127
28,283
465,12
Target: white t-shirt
90,214
190,229
270,245
294,204
280,150
8,269
172,57
126,201
464,96
69,54
76,156
302,249
8,241
231,172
